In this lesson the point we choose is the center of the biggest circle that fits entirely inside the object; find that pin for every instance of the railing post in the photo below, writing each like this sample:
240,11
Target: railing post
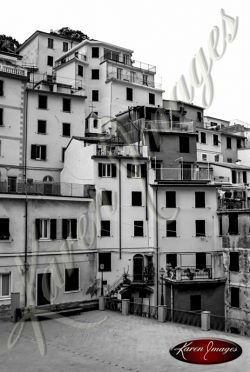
205,320
125,307
101,303
162,313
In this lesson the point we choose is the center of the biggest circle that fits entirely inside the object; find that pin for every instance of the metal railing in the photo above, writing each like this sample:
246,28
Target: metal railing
128,62
135,79
112,303
44,188
183,173
192,318
233,204
189,273
14,70
140,309
62,60
164,125
109,150
221,179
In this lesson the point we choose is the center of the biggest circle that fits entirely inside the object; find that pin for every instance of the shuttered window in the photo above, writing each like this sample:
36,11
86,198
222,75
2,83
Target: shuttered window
38,152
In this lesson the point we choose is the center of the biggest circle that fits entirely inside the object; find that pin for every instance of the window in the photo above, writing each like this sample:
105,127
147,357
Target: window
95,74
229,160
4,229
12,184
38,152
0,147
204,157
46,228
138,228
233,224
126,59
234,261
95,123
106,170
65,46
244,174
41,126
154,141
239,143
105,228
136,170
200,227
66,104
220,224
195,302
50,61
80,70
132,76
95,52
229,143
145,79
66,129
203,137
171,228
216,140
1,116
201,261
235,297
1,88
105,261
200,199
106,197
42,102
199,116
129,95
171,259
170,199
95,95
63,153
69,228
72,280
50,43
184,144
217,158
119,73
5,285
151,99
136,198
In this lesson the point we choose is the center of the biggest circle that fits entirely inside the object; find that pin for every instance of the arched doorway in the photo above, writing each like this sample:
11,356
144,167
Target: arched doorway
138,267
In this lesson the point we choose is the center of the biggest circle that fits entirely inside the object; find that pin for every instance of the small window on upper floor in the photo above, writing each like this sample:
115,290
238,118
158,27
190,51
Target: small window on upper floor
95,74
234,261
229,160
106,197
229,143
41,126
95,95
203,137
80,70
235,297
66,129
151,99
1,88
200,199
1,117
170,199
4,229
50,61
199,116
215,140
217,158
95,52
138,228
136,198
50,43
239,143
129,94
66,104
65,46
204,157
42,102
145,79
184,144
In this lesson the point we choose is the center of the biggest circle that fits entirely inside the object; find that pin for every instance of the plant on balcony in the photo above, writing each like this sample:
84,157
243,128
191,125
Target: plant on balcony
148,273
189,273
125,277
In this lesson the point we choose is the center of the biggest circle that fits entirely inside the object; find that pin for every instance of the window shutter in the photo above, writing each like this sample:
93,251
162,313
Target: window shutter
143,170
99,169
33,151
43,152
74,228
129,170
38,230
59,229
64,229
53,229
113,170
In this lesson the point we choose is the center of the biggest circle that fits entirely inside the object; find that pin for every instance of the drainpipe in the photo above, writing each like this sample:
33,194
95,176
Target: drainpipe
120,212
157,245
26,199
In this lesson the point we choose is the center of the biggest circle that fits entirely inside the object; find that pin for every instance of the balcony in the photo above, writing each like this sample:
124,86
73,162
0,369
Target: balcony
63,60
188,273
133,79
13,70
121,151
128,62
166,126
45,188
182,174
233,204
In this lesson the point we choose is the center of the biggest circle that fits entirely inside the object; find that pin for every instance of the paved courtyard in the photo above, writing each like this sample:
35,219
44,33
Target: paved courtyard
104,341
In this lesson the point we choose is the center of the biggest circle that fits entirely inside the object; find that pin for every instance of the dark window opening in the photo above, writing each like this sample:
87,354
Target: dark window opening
95,95
154,141
233,224
138,228
66,104
199,116
95,74
69,228
136,198
195,302
66,129
105,261
95,123
184,144
42,102
41,126
200,227
1,88
105,228
1,117
50,43
95,52
171,228
80,70
170,199
229,160
220,225
234,261
201,261
38,152
71,279
50,61
106,197
129,95
151,98
203,137
65,46
239,143
171,259
244,177
235,297
229,143
215,140
63,153
4,229
200,199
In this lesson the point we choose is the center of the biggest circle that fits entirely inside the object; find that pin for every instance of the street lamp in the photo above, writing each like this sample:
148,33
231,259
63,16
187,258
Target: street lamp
102,268
162,272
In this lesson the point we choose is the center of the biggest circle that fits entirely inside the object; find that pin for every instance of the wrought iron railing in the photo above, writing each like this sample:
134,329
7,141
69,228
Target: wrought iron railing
165,125
189,273
134,79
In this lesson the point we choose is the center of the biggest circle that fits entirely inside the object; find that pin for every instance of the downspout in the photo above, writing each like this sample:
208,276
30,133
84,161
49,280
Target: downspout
157,246
120,212
26,200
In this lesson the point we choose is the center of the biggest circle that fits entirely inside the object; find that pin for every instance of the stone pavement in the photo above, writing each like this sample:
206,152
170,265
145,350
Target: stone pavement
105,341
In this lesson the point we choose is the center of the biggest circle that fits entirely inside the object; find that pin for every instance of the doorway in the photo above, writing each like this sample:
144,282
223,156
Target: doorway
138,267
43,289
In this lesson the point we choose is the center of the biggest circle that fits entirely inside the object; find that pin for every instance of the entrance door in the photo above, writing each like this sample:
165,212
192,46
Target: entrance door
43,289
138,268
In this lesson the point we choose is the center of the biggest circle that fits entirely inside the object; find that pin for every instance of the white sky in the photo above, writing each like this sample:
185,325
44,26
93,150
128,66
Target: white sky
164,33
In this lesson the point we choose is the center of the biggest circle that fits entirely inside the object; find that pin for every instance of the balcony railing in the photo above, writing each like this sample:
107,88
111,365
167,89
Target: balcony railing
162,125
188,273
133,79
130,150
14,70
61,61
232,204
45,188
128,62
183,174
